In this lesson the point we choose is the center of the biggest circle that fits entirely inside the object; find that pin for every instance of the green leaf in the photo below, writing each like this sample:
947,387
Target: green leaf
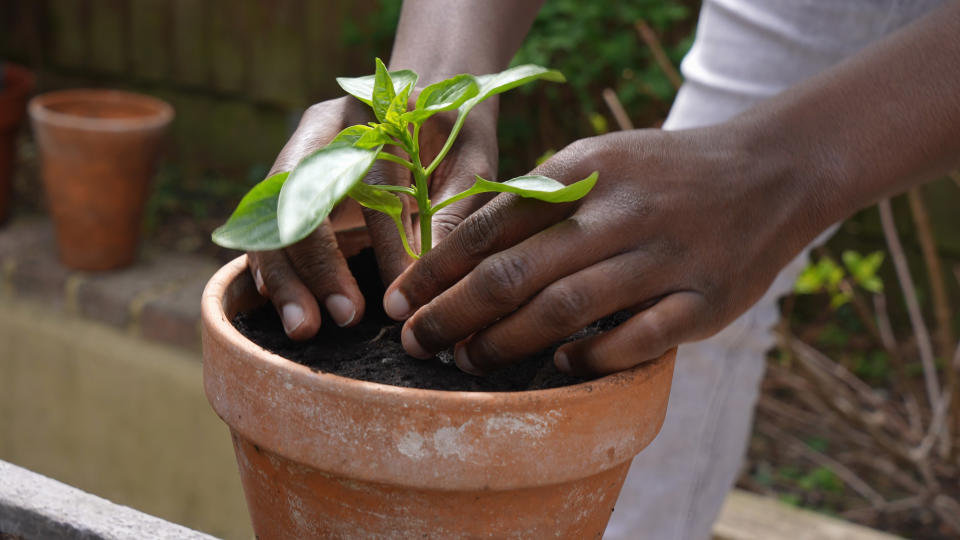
498,83
362,87
810,281
864,269
352,134
383,91
375,199
374,137
316,185
539,187
386,202
253,225
396,109
443,96
839,298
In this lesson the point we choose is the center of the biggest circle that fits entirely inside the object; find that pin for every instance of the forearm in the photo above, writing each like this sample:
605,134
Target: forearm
440,38
869,128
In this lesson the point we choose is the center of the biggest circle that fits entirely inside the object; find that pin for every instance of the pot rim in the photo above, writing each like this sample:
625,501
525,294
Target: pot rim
214,317
39,108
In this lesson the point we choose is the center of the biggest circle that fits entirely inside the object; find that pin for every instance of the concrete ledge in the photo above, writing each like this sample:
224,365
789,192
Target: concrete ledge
746,516
35,507
117,416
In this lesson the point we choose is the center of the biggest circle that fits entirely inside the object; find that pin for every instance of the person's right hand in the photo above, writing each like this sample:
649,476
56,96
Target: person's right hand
295,278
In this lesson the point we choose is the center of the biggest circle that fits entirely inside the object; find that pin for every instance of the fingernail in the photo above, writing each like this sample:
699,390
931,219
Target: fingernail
258,279
411,344
341,309
292,315
561,361
396,305
462,359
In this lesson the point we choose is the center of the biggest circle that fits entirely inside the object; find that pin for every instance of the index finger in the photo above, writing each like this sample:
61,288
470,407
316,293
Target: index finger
501,224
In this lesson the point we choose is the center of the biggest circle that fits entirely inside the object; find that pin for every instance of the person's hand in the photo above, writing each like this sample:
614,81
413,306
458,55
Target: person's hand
686,229
296,277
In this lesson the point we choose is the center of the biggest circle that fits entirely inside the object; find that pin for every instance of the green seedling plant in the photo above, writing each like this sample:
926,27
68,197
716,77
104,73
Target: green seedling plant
287,206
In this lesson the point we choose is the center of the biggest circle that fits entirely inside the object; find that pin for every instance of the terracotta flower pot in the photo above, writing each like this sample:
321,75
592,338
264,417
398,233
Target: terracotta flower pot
99,150
17,85
322,456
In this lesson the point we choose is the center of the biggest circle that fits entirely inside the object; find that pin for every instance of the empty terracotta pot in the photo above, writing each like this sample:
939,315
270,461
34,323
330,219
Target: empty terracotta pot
322,456
98,150
17,85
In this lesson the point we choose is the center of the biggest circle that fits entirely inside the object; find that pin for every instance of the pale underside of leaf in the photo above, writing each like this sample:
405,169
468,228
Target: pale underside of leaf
497,83
539,187
362,87
316,185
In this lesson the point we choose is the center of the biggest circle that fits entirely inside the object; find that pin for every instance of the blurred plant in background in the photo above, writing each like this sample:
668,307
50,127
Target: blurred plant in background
859,415
597,45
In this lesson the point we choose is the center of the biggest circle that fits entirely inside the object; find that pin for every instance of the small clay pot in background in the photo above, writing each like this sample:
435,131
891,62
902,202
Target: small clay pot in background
16,86
98,151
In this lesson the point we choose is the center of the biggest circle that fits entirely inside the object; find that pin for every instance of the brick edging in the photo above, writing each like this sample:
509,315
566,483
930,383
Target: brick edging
157,298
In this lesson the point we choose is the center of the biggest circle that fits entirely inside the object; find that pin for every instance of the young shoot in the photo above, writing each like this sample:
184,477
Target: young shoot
288,206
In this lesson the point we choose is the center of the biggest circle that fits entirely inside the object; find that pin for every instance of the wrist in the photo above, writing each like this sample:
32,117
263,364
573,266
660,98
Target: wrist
791,184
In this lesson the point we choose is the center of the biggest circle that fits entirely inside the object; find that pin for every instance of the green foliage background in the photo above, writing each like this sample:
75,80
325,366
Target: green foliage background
596,46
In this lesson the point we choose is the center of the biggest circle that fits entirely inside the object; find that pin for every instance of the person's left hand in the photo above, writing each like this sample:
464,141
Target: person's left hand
687,229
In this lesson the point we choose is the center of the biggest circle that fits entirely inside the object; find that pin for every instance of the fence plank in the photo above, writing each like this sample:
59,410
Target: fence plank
150,38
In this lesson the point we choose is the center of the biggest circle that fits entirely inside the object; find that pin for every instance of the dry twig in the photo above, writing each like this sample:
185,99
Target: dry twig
938,289
650,38
848,476
931,379
616,108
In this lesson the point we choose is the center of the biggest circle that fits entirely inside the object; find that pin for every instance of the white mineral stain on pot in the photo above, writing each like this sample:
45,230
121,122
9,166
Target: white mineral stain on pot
447,442
529,424
411,445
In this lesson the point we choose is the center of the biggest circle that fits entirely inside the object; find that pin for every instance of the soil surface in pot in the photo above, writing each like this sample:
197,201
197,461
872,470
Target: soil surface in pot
371,351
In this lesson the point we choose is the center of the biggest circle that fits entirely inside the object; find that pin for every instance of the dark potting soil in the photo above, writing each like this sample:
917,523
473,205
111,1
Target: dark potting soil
371,350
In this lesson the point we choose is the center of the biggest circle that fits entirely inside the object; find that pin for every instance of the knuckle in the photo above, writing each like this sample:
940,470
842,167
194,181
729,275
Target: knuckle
656,327
311,266
565,306
275,276
314,111
445,222
479,232
504,276
580,148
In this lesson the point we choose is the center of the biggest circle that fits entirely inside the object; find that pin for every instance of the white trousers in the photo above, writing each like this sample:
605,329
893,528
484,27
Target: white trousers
744,52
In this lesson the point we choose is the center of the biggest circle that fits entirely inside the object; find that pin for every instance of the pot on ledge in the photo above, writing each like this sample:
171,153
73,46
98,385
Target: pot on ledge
98,150
17,83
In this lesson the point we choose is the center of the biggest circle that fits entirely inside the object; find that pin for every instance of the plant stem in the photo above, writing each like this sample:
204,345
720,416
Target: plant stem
421,194
459,196
387,156
450,140
423,204
397,189
406,243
